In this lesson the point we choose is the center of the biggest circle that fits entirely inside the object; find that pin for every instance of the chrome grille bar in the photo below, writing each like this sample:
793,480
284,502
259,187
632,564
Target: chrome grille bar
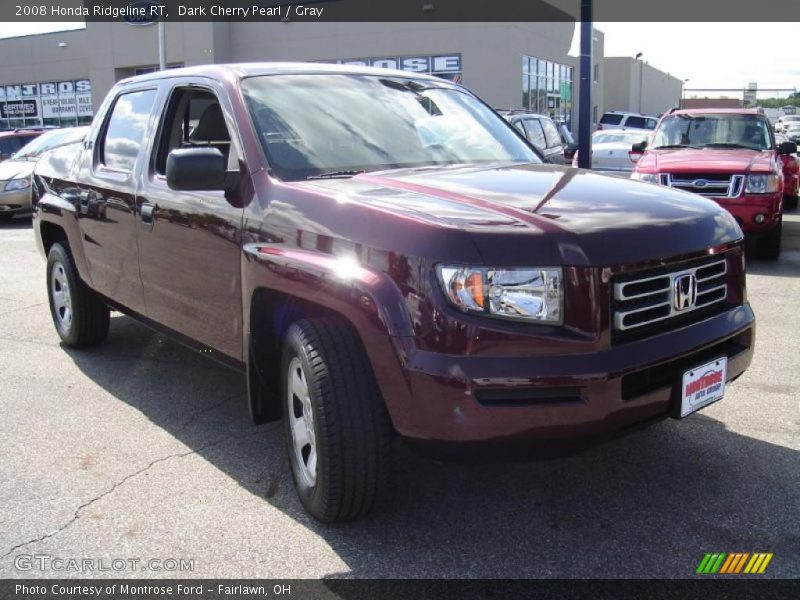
729,187
651,298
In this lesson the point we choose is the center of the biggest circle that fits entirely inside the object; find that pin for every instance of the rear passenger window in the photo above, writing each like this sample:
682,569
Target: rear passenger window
638,122
609,119
550,133
651,123
534,133
126,128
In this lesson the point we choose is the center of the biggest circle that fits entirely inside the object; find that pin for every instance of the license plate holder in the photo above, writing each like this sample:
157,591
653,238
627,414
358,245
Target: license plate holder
703,385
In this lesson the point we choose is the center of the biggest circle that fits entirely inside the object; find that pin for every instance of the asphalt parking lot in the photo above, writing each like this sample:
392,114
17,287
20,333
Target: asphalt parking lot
143,449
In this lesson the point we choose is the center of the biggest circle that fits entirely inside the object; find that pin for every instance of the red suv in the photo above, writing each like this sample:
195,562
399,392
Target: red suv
729,156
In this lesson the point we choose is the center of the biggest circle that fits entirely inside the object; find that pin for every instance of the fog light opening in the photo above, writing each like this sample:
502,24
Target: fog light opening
759,218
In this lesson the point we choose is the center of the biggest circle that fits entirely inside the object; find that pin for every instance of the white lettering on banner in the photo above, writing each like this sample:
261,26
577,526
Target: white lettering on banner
84,105
448,63
59,106
13,92
385,63
49,99
417,64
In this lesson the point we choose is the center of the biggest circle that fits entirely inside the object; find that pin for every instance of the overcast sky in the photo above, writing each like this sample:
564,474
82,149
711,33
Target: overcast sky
713,55
710,55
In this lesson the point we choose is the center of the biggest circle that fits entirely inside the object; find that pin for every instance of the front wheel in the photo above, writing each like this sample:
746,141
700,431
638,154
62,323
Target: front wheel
337,428
790,202
80,315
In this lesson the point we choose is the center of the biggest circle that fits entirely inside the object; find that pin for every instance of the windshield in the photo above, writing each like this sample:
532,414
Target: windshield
714,130
329,125
627,139
50,140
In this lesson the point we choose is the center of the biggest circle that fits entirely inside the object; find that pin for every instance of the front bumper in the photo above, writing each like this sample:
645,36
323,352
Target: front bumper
745,208
559,402
15,202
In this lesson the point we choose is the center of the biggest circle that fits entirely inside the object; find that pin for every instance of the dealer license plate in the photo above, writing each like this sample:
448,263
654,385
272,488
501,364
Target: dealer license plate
703,385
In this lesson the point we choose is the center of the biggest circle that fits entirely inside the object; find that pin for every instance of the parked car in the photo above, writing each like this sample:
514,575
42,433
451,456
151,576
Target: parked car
371,279
540,130
12,141
611,150
792,131
15,173
626,120
791,174
729,156
783,122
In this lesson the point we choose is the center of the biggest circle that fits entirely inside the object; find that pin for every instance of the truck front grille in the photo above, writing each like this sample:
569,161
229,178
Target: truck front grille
713,185
654,300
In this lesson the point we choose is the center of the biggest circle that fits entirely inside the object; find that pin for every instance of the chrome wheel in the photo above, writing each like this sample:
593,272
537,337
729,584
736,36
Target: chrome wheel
62,298
301,422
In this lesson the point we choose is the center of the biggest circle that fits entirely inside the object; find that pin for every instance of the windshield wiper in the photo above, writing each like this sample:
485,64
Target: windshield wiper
336,174
672,146
409,85
727,145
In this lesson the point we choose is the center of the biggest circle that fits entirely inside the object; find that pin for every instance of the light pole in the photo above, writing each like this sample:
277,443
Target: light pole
683,85
162,44
585,99
641,76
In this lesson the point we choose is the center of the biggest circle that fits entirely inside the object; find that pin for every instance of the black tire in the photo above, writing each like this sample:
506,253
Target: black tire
769,245
790,202
88,325
352,431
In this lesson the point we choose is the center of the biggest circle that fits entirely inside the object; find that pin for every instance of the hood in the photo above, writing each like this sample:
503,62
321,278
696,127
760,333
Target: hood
14,169
705,160
544,214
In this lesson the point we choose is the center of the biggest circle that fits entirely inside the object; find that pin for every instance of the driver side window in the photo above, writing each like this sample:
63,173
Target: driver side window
194,119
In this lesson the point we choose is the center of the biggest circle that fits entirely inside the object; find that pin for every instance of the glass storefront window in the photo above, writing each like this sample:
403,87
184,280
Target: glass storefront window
47,103
547,88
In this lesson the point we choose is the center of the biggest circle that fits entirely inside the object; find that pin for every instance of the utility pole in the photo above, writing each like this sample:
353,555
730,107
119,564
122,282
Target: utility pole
162,44
585,100
641,76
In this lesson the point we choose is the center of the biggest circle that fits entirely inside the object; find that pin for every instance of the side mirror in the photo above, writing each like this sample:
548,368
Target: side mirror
637,150
196,169
787,148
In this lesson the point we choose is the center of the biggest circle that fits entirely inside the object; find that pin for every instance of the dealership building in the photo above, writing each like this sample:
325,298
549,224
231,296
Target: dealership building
59,79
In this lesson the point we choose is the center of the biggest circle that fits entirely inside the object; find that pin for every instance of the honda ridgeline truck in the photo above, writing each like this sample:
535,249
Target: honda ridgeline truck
380,252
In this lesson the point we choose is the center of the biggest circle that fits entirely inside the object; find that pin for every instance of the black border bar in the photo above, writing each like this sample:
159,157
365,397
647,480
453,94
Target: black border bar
711,11
705,588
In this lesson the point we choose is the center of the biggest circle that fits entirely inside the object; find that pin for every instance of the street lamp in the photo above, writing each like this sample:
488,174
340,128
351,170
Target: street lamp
641,76
683,85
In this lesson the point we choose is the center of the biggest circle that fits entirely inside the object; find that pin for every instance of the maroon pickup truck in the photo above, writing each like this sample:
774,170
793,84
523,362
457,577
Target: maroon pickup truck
382,253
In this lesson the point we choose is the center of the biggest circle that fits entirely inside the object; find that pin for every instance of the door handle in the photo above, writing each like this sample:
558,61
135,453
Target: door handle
148,212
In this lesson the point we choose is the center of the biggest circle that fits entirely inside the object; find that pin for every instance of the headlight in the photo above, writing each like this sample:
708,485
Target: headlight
646,177
531,294
762,184
18,184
